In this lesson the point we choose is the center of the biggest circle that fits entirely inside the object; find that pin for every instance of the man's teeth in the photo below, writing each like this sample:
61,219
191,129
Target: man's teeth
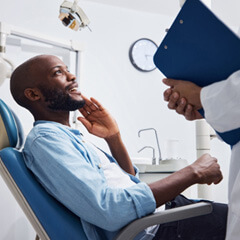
73,89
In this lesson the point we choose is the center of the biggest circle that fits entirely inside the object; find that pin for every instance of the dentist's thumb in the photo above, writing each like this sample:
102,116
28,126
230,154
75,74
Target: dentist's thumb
170,82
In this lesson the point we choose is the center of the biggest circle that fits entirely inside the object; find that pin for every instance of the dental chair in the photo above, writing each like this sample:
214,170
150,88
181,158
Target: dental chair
49,218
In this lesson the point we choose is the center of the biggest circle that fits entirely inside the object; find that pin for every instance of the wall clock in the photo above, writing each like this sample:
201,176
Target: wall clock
141,54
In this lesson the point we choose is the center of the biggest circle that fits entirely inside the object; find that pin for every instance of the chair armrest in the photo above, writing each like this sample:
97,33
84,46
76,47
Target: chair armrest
170,215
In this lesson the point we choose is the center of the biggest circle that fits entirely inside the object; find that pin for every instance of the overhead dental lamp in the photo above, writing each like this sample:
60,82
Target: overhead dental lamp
6,68
73,16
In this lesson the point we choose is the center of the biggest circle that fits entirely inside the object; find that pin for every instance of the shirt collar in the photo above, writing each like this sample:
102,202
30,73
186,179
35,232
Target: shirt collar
75,131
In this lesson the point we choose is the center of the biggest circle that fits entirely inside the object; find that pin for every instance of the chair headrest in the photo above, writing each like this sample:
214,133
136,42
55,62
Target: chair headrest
11,131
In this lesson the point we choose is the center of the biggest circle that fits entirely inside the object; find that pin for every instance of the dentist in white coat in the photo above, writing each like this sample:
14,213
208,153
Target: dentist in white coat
221,103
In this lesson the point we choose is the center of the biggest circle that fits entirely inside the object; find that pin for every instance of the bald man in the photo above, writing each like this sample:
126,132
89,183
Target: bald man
103,190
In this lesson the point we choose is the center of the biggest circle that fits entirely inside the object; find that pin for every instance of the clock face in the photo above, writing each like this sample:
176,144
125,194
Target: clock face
141,54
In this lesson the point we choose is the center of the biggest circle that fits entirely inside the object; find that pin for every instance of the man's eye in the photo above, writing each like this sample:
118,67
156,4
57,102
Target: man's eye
57,72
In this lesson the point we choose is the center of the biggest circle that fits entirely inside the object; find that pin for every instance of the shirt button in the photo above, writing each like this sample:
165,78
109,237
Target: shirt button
169,203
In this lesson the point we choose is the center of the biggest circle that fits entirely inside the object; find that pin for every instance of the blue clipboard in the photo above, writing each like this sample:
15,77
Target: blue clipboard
199,48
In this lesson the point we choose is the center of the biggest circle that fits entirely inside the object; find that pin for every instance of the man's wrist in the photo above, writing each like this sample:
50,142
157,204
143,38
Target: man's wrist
192,173
113,138
195,173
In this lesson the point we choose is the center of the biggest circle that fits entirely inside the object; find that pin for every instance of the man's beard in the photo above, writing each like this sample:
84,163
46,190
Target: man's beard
60,101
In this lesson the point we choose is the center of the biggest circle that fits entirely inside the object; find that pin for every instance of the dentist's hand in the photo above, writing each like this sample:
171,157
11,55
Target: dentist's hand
180,104
187,90
97,119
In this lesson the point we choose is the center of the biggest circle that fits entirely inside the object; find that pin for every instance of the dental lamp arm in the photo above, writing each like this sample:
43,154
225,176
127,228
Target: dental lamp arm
74,6
6,66
83,17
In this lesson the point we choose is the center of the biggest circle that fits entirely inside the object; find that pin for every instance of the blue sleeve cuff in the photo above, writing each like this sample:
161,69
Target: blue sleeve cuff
143,199
136,171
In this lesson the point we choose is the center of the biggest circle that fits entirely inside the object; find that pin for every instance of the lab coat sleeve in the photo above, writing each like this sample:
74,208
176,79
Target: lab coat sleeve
68,175
220,102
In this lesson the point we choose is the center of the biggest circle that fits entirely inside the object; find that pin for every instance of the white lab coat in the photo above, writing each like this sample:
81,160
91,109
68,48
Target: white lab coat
222,111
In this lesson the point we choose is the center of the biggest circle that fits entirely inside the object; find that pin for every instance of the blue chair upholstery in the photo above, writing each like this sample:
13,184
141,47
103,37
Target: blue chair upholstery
9,133
49,218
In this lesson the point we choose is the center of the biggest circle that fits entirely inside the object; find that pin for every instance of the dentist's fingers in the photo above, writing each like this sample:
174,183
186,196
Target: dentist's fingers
173,100
180,108
170,82
191,113
167,93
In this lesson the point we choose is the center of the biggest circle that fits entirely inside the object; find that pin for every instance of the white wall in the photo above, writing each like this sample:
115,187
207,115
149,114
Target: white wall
228,11
134,98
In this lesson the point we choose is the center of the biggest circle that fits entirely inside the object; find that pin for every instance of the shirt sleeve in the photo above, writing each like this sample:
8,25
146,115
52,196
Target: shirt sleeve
221,103
68,175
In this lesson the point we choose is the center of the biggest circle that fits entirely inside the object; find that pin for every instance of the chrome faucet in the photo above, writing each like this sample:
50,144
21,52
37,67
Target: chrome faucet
153,157
146,129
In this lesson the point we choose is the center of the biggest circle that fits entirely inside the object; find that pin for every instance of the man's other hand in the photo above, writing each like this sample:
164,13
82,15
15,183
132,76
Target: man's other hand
207,170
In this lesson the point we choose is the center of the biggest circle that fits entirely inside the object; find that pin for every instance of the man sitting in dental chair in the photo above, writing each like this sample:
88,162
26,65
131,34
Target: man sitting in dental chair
103,190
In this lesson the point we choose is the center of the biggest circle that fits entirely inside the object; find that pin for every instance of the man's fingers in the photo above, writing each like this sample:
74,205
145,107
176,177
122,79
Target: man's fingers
97,103
219,180
83,112
89,105
85,122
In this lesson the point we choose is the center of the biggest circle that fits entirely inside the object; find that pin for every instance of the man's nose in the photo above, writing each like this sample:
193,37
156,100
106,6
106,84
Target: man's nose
70,76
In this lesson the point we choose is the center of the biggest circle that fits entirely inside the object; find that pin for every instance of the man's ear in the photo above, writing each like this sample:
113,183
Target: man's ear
33,94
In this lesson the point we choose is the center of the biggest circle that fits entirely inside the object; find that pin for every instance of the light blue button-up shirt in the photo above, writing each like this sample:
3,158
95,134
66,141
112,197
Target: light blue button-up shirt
69,169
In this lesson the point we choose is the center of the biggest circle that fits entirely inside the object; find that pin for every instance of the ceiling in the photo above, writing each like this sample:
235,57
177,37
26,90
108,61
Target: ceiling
228,11
166,7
